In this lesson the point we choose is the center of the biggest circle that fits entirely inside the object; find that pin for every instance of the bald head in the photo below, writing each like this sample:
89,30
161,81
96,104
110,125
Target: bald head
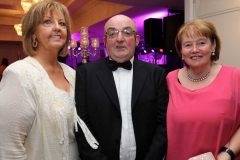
119,21
122,39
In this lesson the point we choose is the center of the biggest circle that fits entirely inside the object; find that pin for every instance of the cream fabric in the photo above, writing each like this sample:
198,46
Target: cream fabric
36,118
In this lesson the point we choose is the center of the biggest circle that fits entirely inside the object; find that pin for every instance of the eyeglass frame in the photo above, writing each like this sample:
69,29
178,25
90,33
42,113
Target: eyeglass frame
134,33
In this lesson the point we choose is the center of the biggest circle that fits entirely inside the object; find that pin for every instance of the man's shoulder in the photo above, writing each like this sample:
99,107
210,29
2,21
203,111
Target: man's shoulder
93,65
147,65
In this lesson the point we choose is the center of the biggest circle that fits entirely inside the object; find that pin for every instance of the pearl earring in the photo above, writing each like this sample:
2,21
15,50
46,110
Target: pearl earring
213,53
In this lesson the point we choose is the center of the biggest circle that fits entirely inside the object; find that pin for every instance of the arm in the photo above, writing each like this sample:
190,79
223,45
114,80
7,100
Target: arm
85,150
16,116
233,144
158,147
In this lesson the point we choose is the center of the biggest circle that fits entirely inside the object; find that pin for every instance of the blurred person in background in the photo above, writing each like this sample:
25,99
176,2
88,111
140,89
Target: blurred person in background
3,66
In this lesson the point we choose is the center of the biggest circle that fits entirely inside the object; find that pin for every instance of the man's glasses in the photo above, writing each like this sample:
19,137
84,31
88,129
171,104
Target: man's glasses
126,32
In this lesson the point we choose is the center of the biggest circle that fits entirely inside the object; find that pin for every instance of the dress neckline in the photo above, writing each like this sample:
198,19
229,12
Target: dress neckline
199,89
35,63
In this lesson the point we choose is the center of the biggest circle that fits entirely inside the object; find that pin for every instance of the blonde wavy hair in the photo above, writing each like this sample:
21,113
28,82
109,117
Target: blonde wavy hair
35,16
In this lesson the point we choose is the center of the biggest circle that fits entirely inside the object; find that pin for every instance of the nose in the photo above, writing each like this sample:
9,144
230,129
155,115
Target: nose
120,37
195,48
56,26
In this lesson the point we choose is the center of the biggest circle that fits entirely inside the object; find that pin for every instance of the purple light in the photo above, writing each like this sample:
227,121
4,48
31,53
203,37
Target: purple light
138,16
76,35
150,58
139,20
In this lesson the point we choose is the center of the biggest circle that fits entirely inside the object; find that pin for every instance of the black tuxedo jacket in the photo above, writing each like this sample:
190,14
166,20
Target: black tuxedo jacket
98,106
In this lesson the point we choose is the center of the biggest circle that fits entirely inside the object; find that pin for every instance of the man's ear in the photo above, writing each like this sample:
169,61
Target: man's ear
137,37
105,41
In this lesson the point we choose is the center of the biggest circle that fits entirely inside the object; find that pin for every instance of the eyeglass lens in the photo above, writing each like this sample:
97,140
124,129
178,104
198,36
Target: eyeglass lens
126,32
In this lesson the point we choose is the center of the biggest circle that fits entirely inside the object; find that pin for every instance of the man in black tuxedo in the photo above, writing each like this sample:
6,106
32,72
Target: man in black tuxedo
122,100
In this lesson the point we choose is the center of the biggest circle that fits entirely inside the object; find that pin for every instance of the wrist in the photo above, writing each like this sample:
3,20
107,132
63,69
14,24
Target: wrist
228,151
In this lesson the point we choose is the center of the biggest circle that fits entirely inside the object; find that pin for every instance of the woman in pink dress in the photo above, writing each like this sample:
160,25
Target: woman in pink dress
204,106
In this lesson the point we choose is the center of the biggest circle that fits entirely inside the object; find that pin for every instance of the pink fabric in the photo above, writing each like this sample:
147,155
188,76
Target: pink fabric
202,120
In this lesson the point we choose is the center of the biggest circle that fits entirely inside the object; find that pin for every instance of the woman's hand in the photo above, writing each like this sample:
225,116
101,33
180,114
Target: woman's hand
223,156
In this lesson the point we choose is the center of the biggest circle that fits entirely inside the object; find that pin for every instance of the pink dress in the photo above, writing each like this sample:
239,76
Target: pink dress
205,119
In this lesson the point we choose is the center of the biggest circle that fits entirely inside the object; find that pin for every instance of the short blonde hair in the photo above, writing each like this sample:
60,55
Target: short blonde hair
34,17
199,27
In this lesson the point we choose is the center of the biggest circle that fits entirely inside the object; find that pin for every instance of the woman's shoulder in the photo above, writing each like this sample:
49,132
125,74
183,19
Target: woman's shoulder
230,67
18,66
25,70
69,73
230,70
64,66
173,73
67,69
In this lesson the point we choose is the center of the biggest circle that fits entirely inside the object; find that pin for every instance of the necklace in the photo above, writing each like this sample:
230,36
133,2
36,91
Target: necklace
200,78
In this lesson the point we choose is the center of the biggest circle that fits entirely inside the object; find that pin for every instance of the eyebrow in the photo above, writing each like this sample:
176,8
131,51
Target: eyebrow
47,16
187,42
122,29
50,17
110,28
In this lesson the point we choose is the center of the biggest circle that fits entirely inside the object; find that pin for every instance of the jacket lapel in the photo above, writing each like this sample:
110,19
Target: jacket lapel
105,76
139,77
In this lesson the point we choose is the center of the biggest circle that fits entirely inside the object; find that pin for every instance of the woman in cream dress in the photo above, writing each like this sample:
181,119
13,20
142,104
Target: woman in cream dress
37,107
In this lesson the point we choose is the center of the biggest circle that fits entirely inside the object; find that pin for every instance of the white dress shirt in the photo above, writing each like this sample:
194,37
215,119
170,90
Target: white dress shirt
123,81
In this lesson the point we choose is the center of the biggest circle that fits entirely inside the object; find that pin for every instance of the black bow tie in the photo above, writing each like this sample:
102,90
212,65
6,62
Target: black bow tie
113,65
